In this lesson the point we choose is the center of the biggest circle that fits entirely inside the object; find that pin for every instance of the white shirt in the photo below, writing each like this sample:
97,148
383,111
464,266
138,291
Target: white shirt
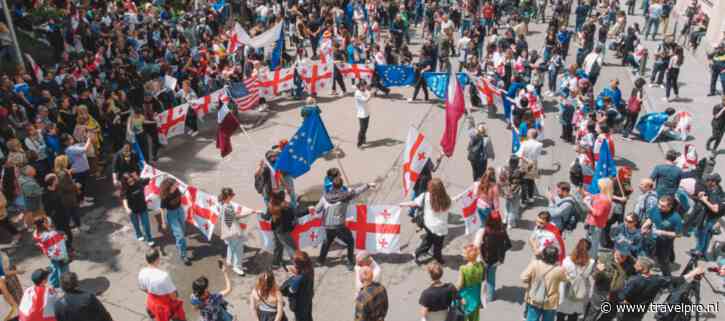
589,61
361,100
448,24
531,150
436,222
155,281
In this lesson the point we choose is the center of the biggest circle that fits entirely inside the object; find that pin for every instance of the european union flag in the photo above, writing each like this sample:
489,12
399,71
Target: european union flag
437,83
396,75
515,141
650,126
237,90
309,143
218,6
605,167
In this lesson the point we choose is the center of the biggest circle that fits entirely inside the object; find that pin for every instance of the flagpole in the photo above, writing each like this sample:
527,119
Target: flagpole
339,163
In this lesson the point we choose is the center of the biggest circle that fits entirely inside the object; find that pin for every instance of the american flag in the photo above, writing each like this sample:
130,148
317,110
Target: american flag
245,94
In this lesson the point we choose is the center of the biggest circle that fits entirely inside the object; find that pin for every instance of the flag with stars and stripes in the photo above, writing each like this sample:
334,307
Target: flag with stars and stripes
245,94
309,143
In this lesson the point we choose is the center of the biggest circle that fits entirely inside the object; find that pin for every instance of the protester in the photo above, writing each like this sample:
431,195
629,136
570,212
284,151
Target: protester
10,287
437,298
718,127
647,200
629,235
232,232
561,205
78,156
76,304
266,301
173,215
32,193
479,148
435,204
600,208
713,199
371,302
300,287
38,300
667,176
362,96
53,245
488,195
211,306
162,302
493,242
663,225
470,282
547,274
529,152
134,201
510,179
282,218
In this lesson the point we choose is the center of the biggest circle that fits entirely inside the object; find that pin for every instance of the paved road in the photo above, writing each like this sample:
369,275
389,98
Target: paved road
112,257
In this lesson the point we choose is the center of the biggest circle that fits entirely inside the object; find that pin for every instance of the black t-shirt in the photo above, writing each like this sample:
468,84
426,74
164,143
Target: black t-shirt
135,196
172,201
715,196
438,298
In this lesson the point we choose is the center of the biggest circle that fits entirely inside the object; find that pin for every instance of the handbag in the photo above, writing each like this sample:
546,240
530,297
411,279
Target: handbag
418,219
455,310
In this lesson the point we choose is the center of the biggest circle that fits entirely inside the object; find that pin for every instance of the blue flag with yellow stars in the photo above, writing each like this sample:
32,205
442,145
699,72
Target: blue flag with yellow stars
604,167
437,82
309,143
395,75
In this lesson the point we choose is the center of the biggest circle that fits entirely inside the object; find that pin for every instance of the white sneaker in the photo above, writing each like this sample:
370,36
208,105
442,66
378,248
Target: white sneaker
85,204
238,271
193,134
150,243
140,238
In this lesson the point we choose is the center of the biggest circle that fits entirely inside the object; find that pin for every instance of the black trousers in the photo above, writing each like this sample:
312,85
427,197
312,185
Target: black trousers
671,82
567,131
629,122
8,226
478,167
303,316
528,187
364,122
715,138
420,84
342,233
62,219
566,317
337,79
434,241
658,73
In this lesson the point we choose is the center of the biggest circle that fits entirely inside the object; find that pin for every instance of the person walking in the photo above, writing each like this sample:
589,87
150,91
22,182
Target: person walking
510,179
673,73
718,127
600,208
529,154
162,302
364,259
647,199
78,155
300,287
333,207
266,300
362,97
634,106
211,306
716,61
544,273
479,148
437,298
69,194
38,301
53,245
493,243
667,176
664,225
713,200
656,10
470,281
173,215
371,303
33,194
134,202
487,195
435,204
579,267
77,304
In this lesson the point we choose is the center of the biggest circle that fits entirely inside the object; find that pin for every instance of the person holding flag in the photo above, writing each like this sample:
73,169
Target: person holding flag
333,206
53,244
600,207
173,215
435,204
232,230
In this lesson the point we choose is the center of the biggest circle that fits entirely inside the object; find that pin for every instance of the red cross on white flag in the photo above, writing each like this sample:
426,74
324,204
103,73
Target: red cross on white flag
316,76
356,71
276,82
171,122
375,228
466,204
416,154
203,211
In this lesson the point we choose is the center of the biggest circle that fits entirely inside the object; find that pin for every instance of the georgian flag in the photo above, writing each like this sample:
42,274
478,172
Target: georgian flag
466,201
307,233
38,304
37,71
316,76
203,210
235,39
153,189
275,82
356,71
487,91
417,152
550,235
171,122
375,228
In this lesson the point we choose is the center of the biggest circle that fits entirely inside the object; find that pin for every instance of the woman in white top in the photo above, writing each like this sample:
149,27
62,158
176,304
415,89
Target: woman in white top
574,293
435,204
231,230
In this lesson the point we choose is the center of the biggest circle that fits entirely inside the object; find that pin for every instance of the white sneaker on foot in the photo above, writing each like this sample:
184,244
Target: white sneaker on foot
140,238
410,100
238,271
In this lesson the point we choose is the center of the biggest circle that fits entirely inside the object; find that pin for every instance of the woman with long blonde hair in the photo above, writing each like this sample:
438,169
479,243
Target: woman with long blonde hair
266,299
470,282
600,208
435,204
88,128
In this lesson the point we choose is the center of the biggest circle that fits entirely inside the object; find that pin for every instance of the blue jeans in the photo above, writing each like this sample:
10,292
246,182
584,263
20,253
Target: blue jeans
57,268
235,252
703,235
538,314
652,22
143,217
594,236
513,209
483,214
490,282
177,225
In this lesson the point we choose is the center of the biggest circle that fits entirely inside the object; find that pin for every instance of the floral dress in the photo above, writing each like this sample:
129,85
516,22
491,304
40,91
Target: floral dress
214,308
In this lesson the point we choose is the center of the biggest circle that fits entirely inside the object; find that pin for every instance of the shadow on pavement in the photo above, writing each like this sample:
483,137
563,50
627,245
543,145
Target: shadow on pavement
95,285
513,294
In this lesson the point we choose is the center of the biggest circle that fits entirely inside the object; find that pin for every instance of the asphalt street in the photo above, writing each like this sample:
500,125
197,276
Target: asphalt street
111,257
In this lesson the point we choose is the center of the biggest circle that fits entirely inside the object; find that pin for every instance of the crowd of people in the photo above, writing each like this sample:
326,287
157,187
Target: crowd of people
96,106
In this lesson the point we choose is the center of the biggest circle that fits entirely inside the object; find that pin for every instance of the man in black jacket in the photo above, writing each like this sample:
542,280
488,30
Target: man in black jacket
718,126
78,305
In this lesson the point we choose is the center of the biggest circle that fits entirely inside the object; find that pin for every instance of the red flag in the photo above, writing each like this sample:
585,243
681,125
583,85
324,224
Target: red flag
455,107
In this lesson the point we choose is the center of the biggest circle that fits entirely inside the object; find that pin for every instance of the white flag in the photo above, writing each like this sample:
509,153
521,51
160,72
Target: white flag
375,228
416,154
466,202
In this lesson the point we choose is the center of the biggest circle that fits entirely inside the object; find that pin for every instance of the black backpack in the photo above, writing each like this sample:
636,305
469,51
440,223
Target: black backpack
576,174
477,149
